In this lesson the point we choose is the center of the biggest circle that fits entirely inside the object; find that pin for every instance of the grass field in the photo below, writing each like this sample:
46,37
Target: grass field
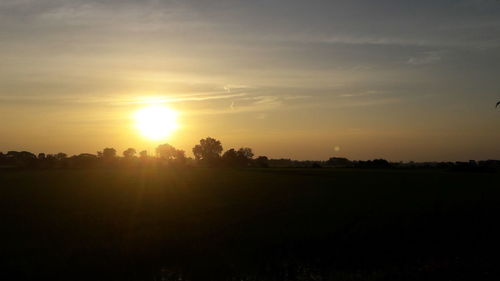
255,224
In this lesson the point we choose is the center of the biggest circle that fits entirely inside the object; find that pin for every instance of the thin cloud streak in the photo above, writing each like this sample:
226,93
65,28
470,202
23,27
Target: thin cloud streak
425,58
112,100
274,103
177,99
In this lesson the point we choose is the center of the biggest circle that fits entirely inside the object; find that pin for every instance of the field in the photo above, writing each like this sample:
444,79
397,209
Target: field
253,224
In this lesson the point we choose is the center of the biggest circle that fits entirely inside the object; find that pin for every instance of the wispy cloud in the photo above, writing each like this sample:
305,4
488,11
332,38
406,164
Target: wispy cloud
363,93
425,58
256,103
297,97
113,100
232,88
177,99
248,104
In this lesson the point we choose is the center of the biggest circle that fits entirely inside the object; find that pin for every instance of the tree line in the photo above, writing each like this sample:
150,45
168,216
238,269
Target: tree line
207,153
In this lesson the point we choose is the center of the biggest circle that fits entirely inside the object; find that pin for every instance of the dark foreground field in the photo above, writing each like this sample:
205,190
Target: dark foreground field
290,224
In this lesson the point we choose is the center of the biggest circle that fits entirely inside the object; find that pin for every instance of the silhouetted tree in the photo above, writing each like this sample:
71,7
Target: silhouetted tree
245,153
21,158
143,154
281,163
381,163
262,162
171,154
108,153
338,161
316,165
42,161
61,156
180,157
208,151
230,157
166,151
241,158
50,157
376,163
129,153
107,156
84,160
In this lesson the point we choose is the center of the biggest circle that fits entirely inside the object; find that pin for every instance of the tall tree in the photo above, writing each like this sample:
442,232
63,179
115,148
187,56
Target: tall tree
208,150
61,156
171,154
245,153
241,158
166,151
143,154
107,153
129,153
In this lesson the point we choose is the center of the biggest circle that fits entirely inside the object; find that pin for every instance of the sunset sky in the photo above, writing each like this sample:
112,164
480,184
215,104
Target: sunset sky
401,80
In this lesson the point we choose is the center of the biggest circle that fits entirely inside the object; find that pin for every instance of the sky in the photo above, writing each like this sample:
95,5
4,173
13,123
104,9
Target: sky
400,80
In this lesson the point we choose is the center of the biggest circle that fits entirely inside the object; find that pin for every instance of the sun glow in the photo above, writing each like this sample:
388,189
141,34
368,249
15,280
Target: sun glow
156,122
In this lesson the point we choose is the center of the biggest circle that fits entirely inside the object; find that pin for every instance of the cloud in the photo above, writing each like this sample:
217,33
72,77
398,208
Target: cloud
373,40
297,97
247,104
259,103
232,87
182,98
425,58
111,100
256,103
364,93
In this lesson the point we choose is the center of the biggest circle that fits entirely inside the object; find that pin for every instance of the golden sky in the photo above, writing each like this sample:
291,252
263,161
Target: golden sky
296,79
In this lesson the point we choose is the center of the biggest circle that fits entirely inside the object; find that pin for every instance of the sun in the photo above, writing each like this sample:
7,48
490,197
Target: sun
156,122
